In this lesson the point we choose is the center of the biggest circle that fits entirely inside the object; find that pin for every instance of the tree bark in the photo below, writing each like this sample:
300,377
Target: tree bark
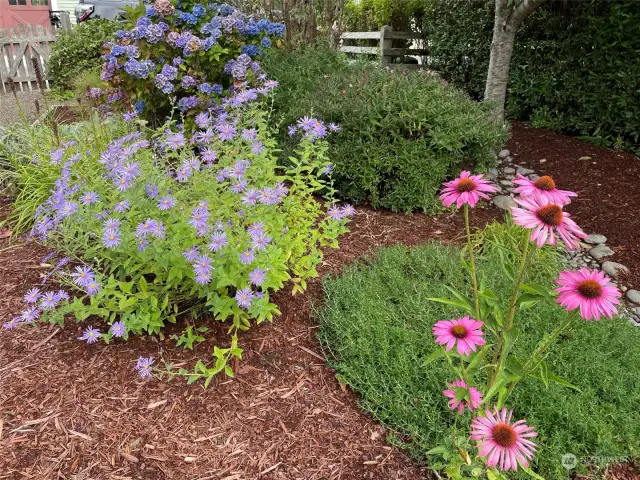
507,21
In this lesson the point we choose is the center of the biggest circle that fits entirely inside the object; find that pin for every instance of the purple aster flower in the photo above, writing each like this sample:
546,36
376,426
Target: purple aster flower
167,203
131,170
32,295
191,163
249,134
92,287
144,228
202,119
151,191
247,257
199,219
82,276
202,265
256,229
49,300
122,183
208,155
335,213
244,297
90,197
111,224
128,116
183,174
257,277
226,131
257,147
348,211
238,186
158,229
29,315
111,238
260,242
268,196
191,254
292,130
217,241
143,366
327,170
175,141
62,295
251,197
333,127
122,206
204,137
203,279
142,245
68,209
118,329
91,335
281,190
306,123
13,323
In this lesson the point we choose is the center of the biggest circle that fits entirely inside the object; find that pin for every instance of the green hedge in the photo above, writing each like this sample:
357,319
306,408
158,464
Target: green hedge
576,65
78,50
402,133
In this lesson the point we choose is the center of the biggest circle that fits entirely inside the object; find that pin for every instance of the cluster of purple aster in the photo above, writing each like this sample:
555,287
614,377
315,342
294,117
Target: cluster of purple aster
84,277
312,128
150,228
338,213
144,367
200,219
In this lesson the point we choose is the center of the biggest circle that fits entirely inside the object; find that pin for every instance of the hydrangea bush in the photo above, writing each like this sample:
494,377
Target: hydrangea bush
167,222
186,54
479,347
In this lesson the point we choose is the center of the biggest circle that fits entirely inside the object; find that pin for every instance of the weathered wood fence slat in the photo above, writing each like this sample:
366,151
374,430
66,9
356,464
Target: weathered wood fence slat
384,49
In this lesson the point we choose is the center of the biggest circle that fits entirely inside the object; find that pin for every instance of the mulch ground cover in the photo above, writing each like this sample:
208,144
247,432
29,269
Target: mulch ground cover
72,410
607,183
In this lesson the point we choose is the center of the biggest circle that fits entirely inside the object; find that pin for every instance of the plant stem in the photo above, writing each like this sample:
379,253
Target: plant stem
472,261
508,322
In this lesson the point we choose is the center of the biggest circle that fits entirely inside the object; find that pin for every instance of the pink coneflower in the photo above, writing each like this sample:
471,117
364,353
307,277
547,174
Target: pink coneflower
463,331
591,290
544,186
466,188
473,401
546,219
505,444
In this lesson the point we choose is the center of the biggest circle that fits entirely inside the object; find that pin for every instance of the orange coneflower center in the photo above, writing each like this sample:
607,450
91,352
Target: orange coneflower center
545,183
590,289
504,435
466,185
459,331
550,214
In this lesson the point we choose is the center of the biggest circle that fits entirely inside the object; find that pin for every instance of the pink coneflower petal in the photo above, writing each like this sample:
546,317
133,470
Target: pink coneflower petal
474,394
545,187
466,189
465,332
589,290
546,220
506,445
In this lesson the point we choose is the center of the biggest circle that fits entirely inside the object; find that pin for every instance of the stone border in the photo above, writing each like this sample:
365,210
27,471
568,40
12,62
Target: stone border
594,251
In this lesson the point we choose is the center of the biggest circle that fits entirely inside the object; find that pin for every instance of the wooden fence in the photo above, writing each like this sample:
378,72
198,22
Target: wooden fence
384,49
18,46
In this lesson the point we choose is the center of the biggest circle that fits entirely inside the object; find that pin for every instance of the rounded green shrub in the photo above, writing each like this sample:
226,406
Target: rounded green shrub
78,50
402,133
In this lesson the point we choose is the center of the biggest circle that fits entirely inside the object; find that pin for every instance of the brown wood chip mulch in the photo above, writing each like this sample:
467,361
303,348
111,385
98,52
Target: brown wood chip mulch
78,411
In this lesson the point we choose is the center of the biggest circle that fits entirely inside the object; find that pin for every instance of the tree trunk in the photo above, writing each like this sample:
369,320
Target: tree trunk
507,21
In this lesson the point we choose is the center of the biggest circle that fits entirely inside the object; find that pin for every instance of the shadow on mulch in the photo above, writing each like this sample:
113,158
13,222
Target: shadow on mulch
607,183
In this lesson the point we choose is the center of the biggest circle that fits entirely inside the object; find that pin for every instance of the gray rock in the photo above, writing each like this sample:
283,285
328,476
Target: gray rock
525,171
504,153
636,311
533,177
584,158
595,239
623,289
509,177
634,296
492,173
498,188
508,160
509,170
506,183
613,269
600,251
504,202
511,189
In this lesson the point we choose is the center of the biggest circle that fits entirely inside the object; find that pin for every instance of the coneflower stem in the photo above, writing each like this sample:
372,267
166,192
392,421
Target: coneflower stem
472,261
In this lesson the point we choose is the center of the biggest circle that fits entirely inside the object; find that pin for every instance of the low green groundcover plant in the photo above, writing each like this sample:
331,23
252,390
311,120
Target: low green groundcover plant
169,225
402,133
382,315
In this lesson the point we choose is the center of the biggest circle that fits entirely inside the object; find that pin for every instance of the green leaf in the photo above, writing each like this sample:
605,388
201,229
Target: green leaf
528,300
531,473
563,382
440,449
436,354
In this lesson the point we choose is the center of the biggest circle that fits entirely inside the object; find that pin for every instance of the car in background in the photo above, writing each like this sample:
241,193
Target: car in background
109,9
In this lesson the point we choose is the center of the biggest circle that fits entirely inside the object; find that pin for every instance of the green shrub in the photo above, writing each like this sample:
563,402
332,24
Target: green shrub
78,50
376,326
575,65
402,133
